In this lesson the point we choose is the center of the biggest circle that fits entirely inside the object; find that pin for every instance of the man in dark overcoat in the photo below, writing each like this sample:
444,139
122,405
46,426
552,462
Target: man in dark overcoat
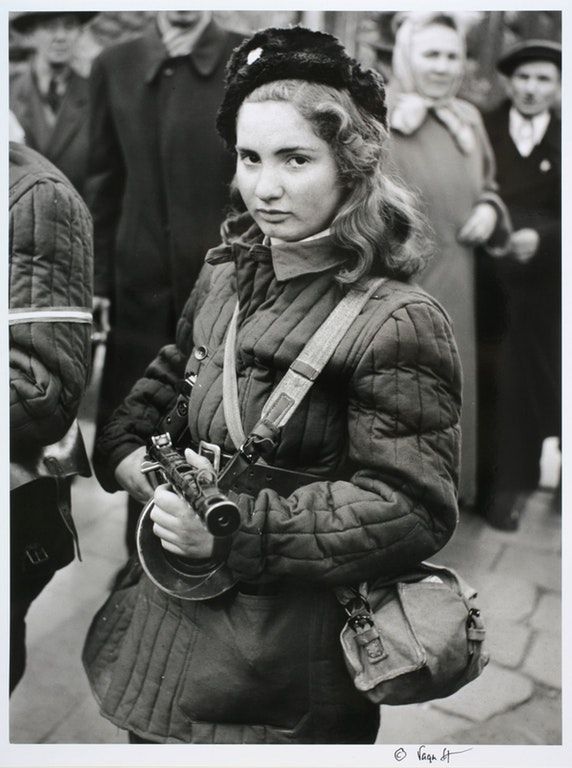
158,184
49,98
525,134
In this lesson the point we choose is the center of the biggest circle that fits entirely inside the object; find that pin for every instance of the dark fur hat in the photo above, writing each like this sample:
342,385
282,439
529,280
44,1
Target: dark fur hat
296,53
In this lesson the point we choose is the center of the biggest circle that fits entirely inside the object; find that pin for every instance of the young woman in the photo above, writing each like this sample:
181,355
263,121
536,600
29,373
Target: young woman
439,148
376,441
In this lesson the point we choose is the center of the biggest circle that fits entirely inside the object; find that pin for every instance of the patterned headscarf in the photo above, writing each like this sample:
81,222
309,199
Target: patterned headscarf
411,105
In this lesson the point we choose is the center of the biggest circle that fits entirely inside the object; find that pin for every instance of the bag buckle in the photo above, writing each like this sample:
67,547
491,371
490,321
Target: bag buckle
367,636
36,554
475,626
360,621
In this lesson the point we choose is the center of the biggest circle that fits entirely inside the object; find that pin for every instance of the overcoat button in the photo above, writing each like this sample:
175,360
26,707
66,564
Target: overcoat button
168,71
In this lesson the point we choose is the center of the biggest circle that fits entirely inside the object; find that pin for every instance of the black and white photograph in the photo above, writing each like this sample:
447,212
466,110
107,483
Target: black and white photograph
285,319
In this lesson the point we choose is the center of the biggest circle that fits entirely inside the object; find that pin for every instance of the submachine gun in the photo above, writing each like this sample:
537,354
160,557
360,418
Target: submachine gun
202,489
183,577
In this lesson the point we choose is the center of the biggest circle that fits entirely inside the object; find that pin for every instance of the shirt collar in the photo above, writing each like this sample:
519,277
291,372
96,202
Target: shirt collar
313,255
206,53
539,124
44,75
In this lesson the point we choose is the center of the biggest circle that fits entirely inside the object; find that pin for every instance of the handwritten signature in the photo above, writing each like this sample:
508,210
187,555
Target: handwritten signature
425,756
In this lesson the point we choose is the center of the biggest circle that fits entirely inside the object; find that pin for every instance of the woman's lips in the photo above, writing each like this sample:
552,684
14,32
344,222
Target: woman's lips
271,215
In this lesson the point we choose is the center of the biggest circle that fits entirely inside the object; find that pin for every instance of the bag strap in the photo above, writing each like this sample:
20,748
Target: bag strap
293,386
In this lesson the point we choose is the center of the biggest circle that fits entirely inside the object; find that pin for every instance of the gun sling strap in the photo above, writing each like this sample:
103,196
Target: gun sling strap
292,388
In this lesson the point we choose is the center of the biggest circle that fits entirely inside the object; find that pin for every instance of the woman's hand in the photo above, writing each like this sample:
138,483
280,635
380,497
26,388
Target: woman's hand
176,524
479,226
524,244
129,476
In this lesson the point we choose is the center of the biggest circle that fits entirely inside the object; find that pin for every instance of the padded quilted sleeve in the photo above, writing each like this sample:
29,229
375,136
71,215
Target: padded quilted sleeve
400,506
51,265
137,418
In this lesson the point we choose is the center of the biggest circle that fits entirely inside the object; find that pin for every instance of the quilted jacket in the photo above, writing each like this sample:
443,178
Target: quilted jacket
50,282
380,424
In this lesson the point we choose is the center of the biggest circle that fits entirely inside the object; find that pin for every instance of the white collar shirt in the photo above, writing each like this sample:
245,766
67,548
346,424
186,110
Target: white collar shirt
527,132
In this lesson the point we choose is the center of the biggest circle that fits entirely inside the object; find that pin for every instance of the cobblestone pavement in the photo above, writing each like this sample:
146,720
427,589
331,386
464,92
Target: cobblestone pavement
517,700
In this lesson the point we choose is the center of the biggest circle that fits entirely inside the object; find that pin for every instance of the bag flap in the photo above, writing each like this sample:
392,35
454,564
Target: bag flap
391,650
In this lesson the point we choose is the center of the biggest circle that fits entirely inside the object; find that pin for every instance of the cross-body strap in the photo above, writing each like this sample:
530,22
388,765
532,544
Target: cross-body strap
230,385
306,368
293,387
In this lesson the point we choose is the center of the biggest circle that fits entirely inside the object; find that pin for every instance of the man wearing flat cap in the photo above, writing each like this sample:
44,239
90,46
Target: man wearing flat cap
525,134
50,99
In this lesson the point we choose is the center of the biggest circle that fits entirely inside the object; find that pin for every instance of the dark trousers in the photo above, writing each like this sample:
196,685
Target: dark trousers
519,377
40,544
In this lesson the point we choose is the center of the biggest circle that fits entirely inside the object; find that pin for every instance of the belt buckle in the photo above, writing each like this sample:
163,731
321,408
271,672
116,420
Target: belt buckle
214,451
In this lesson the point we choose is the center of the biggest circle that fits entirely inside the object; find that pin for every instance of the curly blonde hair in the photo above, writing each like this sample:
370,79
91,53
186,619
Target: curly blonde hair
378,221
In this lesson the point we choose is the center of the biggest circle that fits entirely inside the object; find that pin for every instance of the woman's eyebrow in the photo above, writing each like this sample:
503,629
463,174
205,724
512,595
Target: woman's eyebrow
298,148
281,151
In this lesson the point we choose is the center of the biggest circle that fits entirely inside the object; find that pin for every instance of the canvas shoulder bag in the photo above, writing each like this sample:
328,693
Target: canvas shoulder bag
414,638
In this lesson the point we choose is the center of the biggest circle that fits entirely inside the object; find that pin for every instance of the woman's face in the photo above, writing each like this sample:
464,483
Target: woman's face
436,60
285,174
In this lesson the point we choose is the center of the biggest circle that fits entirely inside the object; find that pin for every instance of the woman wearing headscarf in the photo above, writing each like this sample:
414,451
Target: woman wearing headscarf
373,447
440,150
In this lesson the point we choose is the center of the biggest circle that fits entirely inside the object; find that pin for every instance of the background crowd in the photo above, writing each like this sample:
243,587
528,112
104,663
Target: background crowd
111,101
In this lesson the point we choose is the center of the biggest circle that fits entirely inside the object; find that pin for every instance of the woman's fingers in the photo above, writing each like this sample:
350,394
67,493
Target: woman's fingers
128,474
165,534
170,510
173,548
199,462
178,527
169,501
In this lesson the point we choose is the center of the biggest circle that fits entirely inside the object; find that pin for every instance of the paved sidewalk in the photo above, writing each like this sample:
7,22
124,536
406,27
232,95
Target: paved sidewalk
517,700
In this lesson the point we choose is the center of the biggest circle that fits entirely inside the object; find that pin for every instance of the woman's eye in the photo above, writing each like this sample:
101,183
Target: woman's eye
297,161
248,158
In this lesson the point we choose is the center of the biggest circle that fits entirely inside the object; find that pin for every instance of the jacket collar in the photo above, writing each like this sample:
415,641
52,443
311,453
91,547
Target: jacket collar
289,260
309,257
54,139
205,55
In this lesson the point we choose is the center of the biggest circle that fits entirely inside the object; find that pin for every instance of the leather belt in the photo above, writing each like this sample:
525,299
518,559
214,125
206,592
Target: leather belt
257,477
